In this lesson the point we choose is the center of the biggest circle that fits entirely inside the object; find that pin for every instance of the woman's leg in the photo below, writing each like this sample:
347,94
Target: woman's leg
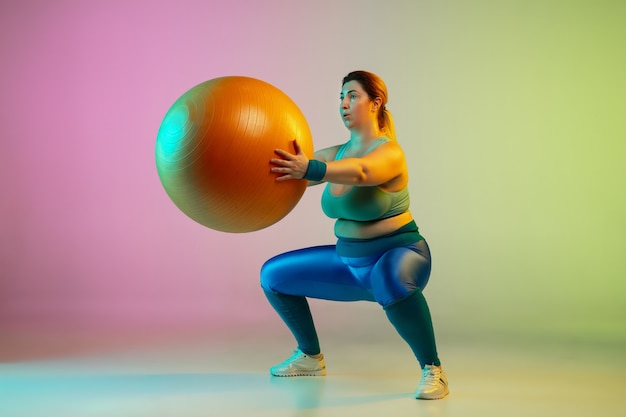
411,318
397,281
315,272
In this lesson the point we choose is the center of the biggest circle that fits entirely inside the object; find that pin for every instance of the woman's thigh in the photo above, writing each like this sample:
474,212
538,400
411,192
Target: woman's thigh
400,271
315,272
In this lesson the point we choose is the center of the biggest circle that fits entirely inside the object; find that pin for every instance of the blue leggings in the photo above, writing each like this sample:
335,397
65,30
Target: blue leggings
395,279
318,272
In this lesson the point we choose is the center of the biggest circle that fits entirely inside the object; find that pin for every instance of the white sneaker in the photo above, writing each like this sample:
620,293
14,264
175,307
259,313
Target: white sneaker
300,364
434,384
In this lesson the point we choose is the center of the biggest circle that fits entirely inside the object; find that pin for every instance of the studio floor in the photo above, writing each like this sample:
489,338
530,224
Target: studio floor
206,375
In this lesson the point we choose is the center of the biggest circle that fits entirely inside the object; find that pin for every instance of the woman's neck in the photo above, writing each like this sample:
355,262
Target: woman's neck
365,136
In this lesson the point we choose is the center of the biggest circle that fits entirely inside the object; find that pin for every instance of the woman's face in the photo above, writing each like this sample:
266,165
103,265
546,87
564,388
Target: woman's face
356,108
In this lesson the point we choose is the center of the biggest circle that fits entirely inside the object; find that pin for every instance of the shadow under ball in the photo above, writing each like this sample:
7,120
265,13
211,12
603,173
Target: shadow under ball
213,153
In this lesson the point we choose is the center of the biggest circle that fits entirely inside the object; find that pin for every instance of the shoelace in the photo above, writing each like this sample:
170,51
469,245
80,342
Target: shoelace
296,353
430,375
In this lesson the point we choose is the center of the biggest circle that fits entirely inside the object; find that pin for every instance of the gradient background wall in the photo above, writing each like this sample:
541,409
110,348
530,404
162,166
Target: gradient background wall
511,114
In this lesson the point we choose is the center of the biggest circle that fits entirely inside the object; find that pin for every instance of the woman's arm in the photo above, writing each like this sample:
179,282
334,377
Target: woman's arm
380,166
323,155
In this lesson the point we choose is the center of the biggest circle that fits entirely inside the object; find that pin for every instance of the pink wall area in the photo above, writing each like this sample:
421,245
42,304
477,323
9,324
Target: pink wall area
88,233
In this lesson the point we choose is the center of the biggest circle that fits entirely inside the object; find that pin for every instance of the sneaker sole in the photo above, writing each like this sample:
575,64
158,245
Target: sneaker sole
438,397
321,372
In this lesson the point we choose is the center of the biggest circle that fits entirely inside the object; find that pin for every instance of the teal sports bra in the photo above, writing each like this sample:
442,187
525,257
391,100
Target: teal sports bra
367,203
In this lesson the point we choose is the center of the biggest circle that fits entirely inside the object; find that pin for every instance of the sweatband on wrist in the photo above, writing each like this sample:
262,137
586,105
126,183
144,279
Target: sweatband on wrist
315,171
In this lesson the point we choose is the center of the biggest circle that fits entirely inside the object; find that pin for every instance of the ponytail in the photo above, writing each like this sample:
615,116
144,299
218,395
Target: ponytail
385,123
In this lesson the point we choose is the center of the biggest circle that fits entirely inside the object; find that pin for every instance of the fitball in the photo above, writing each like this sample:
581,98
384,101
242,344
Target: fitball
213,152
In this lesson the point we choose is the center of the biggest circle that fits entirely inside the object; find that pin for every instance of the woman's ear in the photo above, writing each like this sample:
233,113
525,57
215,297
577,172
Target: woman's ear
378,102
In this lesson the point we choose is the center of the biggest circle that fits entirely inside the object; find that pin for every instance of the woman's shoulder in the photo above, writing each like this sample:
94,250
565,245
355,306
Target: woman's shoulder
384,144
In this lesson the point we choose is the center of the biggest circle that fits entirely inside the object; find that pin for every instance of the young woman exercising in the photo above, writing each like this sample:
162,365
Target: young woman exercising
379,256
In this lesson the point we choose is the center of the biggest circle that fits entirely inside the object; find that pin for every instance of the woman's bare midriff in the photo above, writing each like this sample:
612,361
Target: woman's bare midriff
351,229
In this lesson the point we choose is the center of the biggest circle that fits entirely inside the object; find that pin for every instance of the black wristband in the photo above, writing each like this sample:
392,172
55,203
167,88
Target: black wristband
315,171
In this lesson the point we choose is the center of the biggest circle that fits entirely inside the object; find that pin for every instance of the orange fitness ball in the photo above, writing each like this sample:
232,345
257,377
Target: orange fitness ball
213,153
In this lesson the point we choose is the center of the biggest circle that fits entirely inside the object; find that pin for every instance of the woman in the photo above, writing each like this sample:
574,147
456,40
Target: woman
379,256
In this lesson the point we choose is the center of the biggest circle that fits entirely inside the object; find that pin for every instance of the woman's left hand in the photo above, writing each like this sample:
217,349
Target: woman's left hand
293,167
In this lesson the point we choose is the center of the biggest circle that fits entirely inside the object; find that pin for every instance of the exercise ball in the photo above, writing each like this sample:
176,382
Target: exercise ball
213,153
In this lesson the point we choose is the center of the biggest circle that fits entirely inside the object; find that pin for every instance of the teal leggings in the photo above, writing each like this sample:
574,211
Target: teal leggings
394,279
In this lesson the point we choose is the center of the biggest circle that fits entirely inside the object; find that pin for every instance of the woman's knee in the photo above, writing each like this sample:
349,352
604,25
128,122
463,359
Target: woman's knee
270,271
398,273
295,265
